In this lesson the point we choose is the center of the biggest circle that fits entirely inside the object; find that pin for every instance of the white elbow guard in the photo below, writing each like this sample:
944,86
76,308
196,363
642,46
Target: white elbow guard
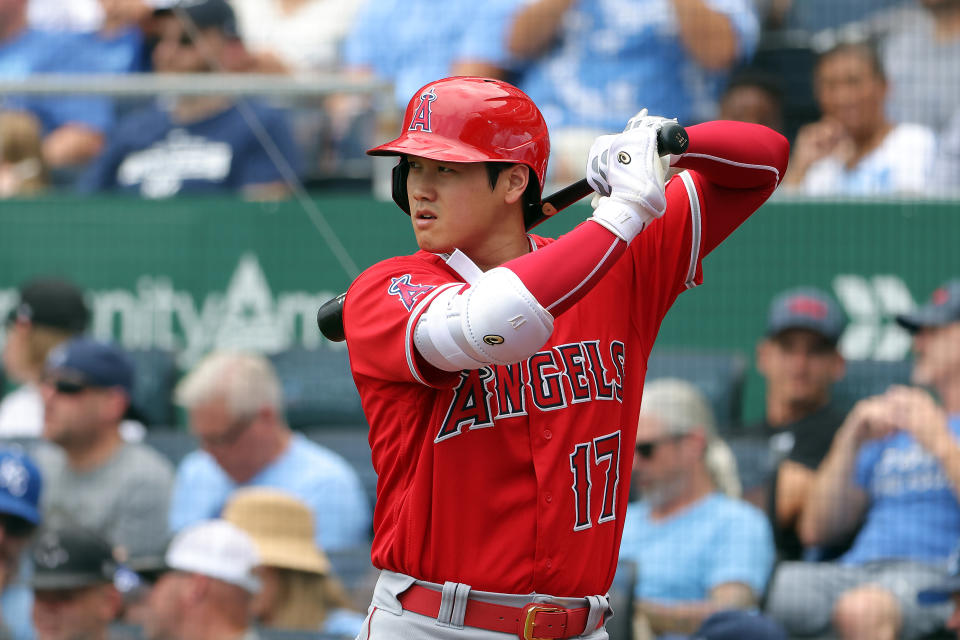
495,321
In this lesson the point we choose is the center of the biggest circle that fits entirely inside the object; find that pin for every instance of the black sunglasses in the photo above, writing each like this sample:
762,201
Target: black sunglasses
646,449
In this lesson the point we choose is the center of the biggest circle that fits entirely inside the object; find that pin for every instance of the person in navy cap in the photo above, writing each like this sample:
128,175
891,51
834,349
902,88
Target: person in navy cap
118,489
895,466
20,487
799,361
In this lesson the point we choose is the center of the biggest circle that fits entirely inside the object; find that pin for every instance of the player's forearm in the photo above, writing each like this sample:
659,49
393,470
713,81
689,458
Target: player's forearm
707,34
564,271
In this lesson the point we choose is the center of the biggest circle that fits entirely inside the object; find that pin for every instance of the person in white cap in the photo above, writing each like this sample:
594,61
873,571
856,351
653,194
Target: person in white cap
698,547
208,586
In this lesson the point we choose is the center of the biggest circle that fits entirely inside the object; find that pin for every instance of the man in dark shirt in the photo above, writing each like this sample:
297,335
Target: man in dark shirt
799,360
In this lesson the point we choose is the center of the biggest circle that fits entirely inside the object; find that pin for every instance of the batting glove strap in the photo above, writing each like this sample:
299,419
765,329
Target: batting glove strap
623,218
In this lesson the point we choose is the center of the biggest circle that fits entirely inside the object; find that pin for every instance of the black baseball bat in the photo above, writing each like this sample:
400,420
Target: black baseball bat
671,139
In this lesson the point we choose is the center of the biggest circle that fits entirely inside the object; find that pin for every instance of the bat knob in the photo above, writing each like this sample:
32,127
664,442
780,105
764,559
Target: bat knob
330,319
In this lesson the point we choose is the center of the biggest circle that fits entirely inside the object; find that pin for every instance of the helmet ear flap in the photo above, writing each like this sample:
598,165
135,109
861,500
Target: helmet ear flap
400,185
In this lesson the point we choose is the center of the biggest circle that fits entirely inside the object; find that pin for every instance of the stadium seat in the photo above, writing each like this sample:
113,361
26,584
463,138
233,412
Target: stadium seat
155,375
318,387
719,375
620,627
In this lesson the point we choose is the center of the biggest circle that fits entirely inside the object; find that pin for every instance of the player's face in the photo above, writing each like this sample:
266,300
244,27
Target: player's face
452,206
851,92
799,366
937,352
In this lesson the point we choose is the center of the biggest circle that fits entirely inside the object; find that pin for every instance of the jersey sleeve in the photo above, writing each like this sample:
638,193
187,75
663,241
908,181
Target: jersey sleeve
731,169
380,312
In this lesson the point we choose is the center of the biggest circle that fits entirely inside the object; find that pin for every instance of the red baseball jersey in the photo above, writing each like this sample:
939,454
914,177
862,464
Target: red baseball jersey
515,478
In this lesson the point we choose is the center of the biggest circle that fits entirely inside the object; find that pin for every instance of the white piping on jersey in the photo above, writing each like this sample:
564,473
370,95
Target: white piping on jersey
464,266
408,336
533,244
695,228
733,163
589,275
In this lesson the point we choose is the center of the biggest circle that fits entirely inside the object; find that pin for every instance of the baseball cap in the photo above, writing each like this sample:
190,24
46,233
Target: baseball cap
806,308
217,549
943,308
20,486
739,625
204,14
91,363
943,591
54,303
71,557
281,526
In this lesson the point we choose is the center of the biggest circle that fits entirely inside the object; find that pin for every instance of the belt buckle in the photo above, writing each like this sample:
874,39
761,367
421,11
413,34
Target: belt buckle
530,619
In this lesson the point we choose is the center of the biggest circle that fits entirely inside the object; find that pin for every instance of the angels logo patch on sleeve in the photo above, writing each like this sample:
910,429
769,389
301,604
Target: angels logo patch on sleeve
407,291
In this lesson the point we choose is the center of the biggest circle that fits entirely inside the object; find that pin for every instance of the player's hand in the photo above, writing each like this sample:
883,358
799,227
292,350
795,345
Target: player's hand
629,172
598,163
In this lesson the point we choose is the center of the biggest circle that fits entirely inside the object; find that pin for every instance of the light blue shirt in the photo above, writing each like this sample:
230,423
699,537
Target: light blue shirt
413,42
616,56
712,542
913,512
314,474
16,603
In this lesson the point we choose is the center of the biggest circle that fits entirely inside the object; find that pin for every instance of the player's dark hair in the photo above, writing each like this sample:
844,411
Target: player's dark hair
531,196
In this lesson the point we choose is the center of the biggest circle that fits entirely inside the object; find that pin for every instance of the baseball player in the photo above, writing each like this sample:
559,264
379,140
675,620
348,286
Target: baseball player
501,372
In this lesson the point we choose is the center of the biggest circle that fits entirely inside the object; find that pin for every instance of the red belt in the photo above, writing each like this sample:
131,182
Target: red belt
535,621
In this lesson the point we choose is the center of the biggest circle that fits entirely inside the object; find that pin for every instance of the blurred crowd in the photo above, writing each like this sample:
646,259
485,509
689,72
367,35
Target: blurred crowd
867,90
846,525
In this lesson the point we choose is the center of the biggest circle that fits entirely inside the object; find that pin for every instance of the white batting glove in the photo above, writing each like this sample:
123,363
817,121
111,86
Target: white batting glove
626,170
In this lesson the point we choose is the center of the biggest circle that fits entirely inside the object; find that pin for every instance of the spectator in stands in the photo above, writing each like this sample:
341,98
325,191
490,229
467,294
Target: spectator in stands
753,96
920,52
73,590
22,170
593,63
74,127
286,36
948,590
855,149
894,465
299,590
208,589
20,488
234,404
198,144
94,479
49,312
799,361
698,549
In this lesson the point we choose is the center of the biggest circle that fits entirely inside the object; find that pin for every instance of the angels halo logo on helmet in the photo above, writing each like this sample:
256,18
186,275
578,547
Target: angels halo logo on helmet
467,119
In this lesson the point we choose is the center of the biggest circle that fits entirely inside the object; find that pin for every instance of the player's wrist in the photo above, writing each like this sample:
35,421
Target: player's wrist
623,218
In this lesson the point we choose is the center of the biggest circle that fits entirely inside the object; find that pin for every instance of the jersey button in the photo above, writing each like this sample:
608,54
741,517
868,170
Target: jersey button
548,564
548,497
547,434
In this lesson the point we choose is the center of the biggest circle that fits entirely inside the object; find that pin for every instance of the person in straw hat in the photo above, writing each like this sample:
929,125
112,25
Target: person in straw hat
299,590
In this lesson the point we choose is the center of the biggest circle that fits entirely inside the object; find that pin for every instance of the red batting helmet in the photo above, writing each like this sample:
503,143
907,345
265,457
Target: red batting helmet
465,119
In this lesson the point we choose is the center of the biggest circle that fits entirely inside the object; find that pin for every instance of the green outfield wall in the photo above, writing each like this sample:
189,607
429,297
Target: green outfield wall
192,274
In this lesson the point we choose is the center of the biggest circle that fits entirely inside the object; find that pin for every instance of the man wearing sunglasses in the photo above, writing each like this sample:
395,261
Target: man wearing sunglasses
698,548
118,489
